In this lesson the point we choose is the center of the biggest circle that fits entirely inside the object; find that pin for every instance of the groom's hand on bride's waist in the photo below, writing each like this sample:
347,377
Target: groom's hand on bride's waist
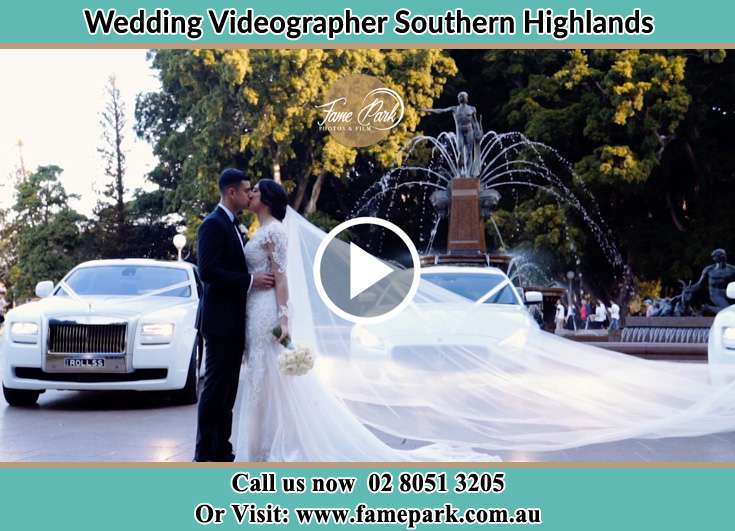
263,280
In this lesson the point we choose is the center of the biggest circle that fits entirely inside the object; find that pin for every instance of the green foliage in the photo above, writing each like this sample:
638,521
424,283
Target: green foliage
323,221
45,233
539,226
619,107
647,131
256,109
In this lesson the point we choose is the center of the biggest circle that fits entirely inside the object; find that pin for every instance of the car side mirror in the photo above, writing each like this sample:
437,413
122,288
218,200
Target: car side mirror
44,289
731,290
533,297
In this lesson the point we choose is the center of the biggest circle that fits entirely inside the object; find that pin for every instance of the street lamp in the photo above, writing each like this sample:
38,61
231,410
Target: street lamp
570,278
179,243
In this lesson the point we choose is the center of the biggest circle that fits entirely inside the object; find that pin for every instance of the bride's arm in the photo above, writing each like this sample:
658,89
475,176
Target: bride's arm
282,300
276,247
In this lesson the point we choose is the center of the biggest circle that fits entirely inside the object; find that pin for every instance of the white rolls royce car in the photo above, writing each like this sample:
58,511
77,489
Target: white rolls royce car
483,295
107,325
721,343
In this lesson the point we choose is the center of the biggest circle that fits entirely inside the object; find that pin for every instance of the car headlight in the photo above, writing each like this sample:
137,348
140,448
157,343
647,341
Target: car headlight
367,339
24,332
156,333
728,337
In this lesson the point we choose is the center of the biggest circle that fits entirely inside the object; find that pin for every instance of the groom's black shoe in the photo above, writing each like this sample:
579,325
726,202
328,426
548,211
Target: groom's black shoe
225,458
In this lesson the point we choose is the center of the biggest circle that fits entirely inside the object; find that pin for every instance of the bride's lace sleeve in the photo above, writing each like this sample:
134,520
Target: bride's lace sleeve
276,245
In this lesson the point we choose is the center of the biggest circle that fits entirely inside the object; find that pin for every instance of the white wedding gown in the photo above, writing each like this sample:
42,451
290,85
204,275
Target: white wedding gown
292,418
501,387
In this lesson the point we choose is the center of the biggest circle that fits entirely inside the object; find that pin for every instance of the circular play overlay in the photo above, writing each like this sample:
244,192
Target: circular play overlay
356,285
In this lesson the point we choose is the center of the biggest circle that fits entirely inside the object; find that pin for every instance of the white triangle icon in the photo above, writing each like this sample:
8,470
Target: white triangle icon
365,270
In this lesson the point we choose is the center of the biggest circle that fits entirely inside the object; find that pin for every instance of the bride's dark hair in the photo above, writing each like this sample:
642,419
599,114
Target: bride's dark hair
274,196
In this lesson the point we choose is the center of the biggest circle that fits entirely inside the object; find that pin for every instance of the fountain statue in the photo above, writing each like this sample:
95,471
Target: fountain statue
462,181
468,205
469,134
717,276
462,178
676,320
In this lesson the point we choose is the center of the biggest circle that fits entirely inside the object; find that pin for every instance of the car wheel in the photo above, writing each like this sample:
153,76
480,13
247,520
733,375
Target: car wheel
20,397
190,393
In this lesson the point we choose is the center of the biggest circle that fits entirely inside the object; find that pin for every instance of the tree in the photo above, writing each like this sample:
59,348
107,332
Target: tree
256,109
7,252
45,233
112,230
151,232
645,131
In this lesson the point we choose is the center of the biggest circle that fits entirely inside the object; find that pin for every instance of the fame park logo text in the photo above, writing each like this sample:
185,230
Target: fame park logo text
360,110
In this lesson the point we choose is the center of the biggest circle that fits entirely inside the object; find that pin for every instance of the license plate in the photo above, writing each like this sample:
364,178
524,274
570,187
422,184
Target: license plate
84,363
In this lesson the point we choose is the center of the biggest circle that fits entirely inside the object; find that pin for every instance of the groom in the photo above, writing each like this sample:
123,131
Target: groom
221,314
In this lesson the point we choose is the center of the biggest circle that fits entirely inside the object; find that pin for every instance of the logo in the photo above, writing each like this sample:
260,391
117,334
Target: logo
360,110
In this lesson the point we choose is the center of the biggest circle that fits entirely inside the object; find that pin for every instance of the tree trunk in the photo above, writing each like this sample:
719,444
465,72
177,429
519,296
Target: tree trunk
315,191
672,211
277,172
695,167
303,184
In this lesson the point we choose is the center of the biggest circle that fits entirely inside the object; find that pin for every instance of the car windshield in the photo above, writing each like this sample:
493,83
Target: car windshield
473,286
127,280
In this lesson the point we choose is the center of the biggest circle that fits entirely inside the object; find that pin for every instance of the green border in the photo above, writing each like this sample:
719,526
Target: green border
32,22
164,498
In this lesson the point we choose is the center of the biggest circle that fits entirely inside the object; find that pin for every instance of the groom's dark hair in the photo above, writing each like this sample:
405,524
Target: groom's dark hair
230,177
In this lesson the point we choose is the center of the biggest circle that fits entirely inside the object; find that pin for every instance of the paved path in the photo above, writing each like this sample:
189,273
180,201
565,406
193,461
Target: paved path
107,426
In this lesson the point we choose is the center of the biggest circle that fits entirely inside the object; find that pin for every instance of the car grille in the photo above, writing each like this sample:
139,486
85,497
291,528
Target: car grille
87,338
28,373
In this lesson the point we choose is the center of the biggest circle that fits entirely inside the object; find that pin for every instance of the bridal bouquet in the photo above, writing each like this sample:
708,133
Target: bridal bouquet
293,360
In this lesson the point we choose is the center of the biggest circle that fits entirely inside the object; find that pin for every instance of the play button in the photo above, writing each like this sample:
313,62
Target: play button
366,270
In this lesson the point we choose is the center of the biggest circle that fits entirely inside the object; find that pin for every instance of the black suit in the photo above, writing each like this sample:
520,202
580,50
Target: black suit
221,320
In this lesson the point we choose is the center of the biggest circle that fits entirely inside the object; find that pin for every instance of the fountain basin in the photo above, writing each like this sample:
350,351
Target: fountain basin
666,330
665,338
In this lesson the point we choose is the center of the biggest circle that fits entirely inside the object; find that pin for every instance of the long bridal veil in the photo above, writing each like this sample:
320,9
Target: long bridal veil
499,387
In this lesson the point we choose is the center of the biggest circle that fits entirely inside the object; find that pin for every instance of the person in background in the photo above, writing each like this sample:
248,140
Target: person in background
559,317
586,313
600,315
649,307
614,316
571,318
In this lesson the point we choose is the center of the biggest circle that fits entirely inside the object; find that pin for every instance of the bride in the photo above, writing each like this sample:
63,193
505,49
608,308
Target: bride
523,389
288,418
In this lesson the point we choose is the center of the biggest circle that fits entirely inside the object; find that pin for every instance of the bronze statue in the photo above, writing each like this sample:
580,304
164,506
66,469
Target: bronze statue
717,276
469,133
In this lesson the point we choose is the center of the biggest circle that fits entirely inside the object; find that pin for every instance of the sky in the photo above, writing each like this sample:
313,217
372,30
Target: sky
51,100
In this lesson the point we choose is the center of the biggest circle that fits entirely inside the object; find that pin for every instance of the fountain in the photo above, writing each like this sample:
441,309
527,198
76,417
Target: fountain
465,172
462,179
677,323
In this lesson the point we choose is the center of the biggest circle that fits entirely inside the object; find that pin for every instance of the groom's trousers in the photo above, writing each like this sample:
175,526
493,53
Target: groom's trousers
217,399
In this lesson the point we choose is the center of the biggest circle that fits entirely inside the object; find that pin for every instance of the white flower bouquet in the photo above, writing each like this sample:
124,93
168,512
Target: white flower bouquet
293,360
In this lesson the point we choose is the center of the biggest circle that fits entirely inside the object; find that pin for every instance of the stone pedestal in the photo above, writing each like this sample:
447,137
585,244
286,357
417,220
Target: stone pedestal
466,228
